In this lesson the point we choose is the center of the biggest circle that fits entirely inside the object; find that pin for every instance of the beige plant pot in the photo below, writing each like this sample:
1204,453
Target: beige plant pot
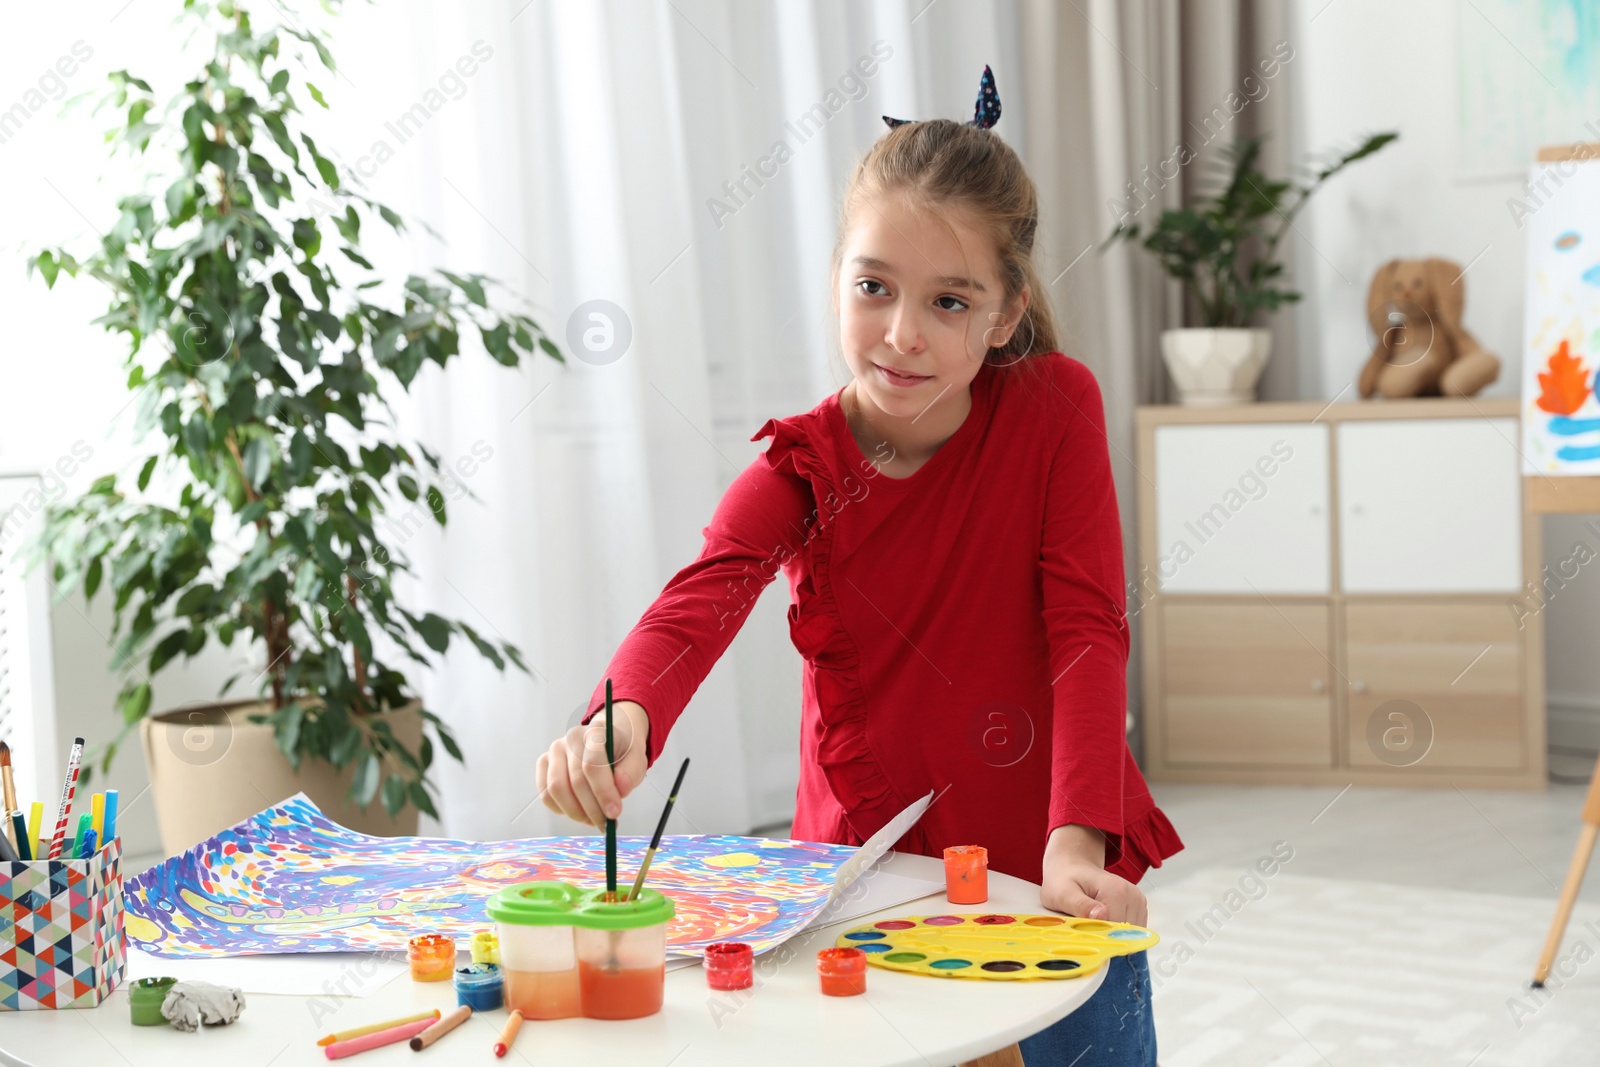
1213,367
212,768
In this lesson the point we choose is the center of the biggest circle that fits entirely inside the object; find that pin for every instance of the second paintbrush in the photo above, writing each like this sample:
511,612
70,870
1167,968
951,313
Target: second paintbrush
655,842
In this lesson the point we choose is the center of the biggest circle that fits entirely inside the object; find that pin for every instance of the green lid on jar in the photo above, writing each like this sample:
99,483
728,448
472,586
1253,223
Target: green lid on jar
649,908
534,904
560,904
145,998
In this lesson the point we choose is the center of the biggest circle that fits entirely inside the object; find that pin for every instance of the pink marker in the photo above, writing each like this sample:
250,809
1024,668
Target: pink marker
69,788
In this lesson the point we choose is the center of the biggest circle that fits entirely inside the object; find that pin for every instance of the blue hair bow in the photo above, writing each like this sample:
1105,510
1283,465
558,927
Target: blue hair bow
984,115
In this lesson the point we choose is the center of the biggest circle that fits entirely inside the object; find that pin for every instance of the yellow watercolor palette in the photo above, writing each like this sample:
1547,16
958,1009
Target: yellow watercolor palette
1005,948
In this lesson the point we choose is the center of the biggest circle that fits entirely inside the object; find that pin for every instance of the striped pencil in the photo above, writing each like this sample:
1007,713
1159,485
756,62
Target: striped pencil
68,788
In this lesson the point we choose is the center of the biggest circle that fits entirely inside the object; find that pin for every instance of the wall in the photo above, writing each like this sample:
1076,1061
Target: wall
1364,66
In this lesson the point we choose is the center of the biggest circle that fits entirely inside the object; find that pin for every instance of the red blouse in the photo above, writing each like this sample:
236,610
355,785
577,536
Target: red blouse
963,628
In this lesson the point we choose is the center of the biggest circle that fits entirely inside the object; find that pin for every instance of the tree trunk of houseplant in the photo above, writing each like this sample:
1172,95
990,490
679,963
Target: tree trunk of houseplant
1212,367
212,768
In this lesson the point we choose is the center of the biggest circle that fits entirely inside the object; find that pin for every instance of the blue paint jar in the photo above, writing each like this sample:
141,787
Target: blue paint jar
479,987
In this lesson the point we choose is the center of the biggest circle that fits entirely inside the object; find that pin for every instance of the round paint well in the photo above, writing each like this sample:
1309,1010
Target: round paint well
950,965
1003,965
995,920
894,924
865,935
1092,925
876,946
1044,920
1126,935
943,920
905,957
1057,965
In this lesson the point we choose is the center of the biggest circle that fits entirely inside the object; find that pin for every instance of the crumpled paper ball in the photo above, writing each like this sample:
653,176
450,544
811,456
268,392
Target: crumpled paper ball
188,1004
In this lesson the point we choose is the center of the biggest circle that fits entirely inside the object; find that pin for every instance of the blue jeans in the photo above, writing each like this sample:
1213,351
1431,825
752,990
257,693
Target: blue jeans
1115,1028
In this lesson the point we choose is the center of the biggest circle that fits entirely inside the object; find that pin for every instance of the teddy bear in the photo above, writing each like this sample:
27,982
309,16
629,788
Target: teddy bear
1414,307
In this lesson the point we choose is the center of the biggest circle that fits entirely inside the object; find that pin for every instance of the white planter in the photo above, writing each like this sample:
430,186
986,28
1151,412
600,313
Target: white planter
1212,367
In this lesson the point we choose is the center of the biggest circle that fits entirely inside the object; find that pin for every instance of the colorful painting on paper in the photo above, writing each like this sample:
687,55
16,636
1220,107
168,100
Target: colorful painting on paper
291,880
1561,332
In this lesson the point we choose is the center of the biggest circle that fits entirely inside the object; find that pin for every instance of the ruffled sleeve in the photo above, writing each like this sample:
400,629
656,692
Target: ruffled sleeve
844,753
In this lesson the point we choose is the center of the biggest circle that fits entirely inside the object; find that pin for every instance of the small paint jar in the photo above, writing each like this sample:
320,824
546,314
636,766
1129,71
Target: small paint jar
479,986
432,957
842,971
966,874
145,997
729,965
486,947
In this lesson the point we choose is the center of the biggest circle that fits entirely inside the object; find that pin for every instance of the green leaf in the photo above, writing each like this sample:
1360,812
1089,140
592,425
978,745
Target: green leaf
436,504
286,727
145,471
434,631
394,794
134,702
448,740
316,94
279,82
364,784
420,797
258,461
91,579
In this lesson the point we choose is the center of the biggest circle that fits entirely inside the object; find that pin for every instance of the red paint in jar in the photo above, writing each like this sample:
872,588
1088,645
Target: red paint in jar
966,874
842,971
729,965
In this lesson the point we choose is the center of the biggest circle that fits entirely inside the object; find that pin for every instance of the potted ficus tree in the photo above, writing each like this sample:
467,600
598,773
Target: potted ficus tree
1224,249
258,351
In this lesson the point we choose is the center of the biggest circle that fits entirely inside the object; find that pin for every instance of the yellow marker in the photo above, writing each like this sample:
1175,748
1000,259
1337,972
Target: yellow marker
35,817
97,809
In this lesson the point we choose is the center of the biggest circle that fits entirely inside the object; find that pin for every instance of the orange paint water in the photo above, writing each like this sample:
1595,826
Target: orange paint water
620,994
542,994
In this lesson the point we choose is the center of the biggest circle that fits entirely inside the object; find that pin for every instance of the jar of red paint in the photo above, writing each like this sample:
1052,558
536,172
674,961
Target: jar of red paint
729,965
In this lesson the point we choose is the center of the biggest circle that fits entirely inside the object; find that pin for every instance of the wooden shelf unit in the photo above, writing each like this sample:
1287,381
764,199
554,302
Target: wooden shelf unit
1322,585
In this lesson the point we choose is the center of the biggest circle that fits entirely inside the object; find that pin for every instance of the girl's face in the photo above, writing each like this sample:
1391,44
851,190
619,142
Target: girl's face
918,306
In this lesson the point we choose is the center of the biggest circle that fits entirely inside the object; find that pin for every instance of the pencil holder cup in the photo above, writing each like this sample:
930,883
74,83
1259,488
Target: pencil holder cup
61,928
538,957
622,954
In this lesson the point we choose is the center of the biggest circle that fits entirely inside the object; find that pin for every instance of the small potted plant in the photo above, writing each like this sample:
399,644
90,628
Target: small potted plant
258,353
1224,249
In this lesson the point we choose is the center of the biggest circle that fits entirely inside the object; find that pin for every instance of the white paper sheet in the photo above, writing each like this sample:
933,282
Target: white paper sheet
337,974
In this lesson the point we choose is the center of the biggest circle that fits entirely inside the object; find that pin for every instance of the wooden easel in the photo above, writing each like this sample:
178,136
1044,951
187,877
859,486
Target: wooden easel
1546,496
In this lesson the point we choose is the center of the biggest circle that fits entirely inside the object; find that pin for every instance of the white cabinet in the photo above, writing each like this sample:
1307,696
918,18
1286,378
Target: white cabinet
1429,506
1242,508
1337,594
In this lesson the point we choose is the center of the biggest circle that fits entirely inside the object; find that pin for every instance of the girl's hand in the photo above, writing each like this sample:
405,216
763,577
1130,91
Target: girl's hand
573,776
1076,881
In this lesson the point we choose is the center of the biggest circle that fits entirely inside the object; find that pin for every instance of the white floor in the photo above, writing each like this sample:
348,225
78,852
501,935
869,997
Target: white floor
1403,931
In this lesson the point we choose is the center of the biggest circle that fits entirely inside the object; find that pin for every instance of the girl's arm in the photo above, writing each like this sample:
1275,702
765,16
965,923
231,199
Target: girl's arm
1085,619
756,529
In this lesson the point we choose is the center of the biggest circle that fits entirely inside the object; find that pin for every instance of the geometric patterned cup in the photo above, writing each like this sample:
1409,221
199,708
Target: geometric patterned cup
62,943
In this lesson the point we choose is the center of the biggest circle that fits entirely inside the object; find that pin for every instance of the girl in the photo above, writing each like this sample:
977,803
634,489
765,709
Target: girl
949,529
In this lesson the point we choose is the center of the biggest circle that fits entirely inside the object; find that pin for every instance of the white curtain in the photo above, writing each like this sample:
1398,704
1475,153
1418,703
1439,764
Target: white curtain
627,152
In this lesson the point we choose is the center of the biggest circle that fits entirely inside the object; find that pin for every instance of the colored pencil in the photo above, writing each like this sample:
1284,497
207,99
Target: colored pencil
372,1028
444,1025
611,824
376,1039
97,810
35,827
509,1034
655,842
84,826
8,788
58,838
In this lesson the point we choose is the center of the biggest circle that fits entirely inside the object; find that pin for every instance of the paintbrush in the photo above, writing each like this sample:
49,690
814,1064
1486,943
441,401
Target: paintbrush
612,962
8,788
655,842
611,824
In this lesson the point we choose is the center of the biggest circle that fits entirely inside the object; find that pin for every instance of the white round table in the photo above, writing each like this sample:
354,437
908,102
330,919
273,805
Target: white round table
902,1020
